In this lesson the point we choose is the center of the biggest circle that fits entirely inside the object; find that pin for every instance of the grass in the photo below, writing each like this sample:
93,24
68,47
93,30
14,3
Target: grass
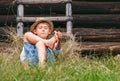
69,67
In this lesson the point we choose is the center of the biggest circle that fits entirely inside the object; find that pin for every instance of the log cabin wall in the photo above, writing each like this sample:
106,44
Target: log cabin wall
95,20
21,18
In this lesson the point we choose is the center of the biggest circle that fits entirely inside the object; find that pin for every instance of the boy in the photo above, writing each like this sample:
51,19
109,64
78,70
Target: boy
37,48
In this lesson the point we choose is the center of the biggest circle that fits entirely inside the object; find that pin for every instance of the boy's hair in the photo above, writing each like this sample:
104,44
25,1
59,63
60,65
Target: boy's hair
38,21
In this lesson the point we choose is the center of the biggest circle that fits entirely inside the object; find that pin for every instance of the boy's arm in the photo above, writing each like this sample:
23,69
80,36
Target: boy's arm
59,36
58,44
32,38
57,49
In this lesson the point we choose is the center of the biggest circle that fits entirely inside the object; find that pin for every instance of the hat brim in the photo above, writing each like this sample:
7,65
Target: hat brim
34,25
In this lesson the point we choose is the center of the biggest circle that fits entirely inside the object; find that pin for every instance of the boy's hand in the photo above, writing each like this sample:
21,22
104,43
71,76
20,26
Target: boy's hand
58,35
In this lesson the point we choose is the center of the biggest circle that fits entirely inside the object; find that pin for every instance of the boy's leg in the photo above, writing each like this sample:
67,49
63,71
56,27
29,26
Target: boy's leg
41,48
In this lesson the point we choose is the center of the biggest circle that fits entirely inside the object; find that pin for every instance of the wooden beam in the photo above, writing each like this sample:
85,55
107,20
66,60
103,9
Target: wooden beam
7,20
78,7
69,14
102,20
41,1
20,13
97,18
95,7
32,19
95,34
4,3
78,20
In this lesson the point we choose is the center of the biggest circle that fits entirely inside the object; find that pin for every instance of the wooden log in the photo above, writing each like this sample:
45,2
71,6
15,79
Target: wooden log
69,14
7,20
20,10
20,13
80,7
98,48
84,34
102,21
97,19
32,19
4,3
41,1
95,34
99,0
78,20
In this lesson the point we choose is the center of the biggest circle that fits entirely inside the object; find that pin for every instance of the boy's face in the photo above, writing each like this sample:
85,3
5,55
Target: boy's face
42,30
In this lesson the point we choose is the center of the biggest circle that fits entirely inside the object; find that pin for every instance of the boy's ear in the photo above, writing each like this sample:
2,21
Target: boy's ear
34,31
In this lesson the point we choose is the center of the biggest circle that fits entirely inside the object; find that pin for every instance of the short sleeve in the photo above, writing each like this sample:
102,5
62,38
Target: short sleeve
55,51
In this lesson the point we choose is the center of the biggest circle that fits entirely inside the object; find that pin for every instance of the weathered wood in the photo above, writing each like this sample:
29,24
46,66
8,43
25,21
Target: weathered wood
110,20
41,1
97,19
69,14
96,34
9,20
32,19
4,2
20,28
82,34
81,20
87,7
80,7
98,48
20,13
96,31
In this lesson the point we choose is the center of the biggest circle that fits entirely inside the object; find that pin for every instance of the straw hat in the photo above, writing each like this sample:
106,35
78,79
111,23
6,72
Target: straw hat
41,20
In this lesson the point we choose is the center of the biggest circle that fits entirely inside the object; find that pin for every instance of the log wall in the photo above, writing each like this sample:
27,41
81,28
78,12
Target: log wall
92,20
83,12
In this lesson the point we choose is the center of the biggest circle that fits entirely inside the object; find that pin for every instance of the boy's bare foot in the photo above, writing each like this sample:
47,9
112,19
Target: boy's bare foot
50,43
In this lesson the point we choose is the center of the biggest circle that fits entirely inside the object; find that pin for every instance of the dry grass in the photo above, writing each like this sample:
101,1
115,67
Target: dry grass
70,67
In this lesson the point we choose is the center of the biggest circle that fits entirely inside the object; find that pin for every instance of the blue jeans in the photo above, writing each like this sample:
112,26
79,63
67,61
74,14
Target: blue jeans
30,53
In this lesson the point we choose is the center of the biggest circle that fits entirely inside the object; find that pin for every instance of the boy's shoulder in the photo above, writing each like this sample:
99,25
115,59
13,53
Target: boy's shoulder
28,34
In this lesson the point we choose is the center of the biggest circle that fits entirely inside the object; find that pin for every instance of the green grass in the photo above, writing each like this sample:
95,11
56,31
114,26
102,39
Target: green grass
66,69
69,67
